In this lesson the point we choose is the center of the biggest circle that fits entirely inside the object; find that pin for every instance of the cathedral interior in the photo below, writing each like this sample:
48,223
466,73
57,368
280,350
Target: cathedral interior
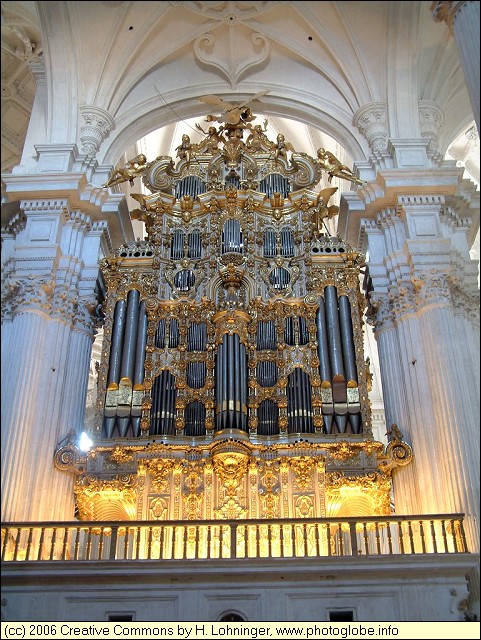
240,320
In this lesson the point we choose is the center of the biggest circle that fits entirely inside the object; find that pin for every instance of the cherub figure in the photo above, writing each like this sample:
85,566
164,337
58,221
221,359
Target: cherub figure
131,170
210,144
282,147
323,210
185,149
257,138
394,433
334,167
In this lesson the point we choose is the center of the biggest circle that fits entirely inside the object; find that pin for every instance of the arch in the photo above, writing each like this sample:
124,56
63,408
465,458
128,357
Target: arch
311,112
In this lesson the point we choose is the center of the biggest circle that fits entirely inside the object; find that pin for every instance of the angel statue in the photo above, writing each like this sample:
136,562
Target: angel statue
129,171
282,147
233,115
323,211
334,167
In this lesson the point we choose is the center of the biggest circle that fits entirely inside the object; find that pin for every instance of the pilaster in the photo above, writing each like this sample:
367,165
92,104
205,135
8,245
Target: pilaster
425,310
49,306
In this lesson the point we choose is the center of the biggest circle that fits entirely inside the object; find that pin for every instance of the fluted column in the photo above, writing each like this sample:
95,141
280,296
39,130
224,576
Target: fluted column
428,345
462,18
49,307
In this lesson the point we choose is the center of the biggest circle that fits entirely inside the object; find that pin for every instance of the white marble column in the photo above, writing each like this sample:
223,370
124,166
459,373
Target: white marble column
48,300
428,344
463,19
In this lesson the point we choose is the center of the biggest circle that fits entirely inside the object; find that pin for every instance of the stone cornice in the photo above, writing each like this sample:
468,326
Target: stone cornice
96,202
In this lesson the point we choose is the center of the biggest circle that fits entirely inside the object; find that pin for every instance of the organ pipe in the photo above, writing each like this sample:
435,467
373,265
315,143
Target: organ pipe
117,342
335,345
231,384
347,338
130,336
287,243
140,347
322,340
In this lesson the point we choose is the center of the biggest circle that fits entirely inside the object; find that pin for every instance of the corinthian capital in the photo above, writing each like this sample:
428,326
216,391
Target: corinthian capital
446,11
98,125
371,120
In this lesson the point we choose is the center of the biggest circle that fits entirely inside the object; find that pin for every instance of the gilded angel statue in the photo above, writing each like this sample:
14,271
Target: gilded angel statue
281,147
323,210
129,171
334,167
233,115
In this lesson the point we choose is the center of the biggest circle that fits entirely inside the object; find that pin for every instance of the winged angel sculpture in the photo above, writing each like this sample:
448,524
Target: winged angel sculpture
233,115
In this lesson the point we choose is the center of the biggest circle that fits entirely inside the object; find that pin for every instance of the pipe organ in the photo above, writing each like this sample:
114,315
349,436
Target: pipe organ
233,381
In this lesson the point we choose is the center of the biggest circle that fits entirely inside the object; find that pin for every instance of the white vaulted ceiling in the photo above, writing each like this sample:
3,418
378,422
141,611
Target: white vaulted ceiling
147,63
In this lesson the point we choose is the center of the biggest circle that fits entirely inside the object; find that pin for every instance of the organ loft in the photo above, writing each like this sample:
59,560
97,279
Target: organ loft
232,382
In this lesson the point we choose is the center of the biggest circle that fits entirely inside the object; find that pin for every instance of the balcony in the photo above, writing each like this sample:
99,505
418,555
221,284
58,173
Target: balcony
235,539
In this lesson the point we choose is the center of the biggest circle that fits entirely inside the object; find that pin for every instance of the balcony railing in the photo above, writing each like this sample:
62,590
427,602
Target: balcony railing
195,539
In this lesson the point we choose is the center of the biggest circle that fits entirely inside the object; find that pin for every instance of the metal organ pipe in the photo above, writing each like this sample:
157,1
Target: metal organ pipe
231,384
335,345
117,342
130,337
347,338
177,245
195,245
113,376
270,249
268,418
140,359
322,346
287,243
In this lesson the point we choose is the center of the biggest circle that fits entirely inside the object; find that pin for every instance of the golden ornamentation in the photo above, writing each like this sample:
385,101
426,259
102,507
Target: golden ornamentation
303,467
159,469
121,456
230,460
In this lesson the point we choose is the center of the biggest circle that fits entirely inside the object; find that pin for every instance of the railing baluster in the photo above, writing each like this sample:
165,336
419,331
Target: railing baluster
453,533
197,542
389,537
433,536
281,541
29,543
445,536
421,533
185,542
341,541
317,540
329,550
17,542
411,538
52,543
366,538
233,540
378,539
77,543
137,545
208,540
89,544
113,542
126,543
5,542
161,542
258,541
40,543
172,549
101,544
65,542
352,531
149,544
463,535
400,536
